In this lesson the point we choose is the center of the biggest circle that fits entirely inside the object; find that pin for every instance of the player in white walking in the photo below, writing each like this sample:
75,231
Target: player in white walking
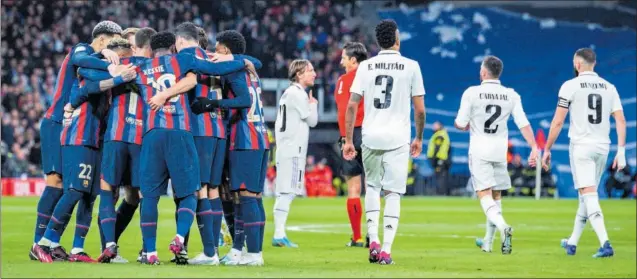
485,109
591,101
297,113
389,83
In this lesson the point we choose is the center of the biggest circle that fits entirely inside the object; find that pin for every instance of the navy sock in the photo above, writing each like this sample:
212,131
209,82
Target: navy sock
149,223
239,236
262,222
107,215
141,203
102,239
228,214
48,200
186,214
83,220
125,213
62,214
217,214
187,236
251,225
204,220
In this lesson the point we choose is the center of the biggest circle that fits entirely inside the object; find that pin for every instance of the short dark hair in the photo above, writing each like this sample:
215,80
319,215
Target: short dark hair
142,37
202,38
588,54
106,27
162,40
386,33
356,50
233,40
493,65
118,43
188,31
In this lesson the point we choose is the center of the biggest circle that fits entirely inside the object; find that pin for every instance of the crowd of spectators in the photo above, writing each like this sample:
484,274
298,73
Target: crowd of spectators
36,35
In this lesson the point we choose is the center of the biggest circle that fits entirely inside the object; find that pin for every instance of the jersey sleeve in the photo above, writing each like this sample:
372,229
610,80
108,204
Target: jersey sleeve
192,63
239,86
565,96
617,102
519,117
301,103
358,80
417,85
81,57
464,113
93,74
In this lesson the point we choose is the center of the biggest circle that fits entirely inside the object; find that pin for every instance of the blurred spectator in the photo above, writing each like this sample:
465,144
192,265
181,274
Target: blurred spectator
438,151
619,180
318,179
515,168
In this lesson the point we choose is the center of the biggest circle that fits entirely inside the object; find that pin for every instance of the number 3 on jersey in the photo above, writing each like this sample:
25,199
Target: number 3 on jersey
254,114
387,84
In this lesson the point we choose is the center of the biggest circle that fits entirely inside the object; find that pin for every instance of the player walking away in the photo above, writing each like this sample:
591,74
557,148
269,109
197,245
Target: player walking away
51,128
353,54
388,82
485,109
297,113
591,100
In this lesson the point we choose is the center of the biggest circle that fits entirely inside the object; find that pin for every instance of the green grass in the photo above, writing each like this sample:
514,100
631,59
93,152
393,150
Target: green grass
435,239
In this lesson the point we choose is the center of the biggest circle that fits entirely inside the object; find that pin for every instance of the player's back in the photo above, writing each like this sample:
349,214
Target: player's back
387,81
591,100
126,115
85,123
291,130
247,125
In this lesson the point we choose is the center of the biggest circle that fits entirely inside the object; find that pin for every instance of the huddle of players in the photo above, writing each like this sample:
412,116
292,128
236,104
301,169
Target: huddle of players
170,112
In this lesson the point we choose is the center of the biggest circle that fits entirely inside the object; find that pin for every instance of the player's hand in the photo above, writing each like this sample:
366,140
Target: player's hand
221,57
116,70
68,110
129,74
250,66
415,148
620,159
533,157
312,99
202,104
546,160
110,56
349,151
157,101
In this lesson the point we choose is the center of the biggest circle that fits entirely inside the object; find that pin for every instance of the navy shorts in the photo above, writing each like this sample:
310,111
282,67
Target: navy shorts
247,170
81,168
51,147
169,154
120,163
218,162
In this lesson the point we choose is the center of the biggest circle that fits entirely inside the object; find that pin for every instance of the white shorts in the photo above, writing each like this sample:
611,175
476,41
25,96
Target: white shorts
290,175
489,175
587,164
387,169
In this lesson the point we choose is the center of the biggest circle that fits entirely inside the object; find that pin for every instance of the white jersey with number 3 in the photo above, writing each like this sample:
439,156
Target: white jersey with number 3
387,82
486,108
590,100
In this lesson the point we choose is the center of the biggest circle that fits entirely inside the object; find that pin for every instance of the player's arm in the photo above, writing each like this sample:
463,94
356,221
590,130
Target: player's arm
97,87
464,112
418,98
563,103
192,63
239,87
519,117
182,86
81,58
419,115
93,74
356,94
620,126
256,62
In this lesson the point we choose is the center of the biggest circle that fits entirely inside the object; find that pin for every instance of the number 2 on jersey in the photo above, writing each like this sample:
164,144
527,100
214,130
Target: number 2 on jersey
595,103
389,85
493,118
254,115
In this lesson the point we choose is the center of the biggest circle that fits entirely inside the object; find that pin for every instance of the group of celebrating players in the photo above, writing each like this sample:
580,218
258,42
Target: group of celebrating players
137,107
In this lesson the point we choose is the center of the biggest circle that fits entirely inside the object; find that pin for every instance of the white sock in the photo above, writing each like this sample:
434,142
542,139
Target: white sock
181,238
149,254
580,223
493,212
372,212
110,243
594,211
76,250
54,245
390,220
490,228
44,242
281,211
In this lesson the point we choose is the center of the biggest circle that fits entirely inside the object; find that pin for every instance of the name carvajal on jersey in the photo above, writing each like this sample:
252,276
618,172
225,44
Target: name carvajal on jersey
491,96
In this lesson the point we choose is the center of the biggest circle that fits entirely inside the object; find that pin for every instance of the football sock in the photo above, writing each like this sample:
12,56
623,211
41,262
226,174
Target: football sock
354,212
187,236
125,213
186,214
46,204
490,228
493,212
60,217
251,215
149,223
239,236
390,220
281,211
579,224
83,220
262,222
228,215
204,222
595,216
217,215
372,212
107,215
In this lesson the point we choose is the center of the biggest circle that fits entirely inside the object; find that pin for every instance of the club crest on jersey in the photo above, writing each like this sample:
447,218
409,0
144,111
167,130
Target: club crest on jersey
85,183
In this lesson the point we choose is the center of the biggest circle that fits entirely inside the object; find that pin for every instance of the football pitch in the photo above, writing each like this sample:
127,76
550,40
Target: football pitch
435,239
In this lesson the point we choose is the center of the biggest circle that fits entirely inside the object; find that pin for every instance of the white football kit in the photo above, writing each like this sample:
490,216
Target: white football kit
591,100
292,130
387,82
486,108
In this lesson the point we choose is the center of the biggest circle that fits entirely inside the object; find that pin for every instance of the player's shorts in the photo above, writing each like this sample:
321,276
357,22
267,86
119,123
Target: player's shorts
387,169
120,163
489,175
169,154
81,168
51,147
212,156
247,170
290,175
588,163
353,167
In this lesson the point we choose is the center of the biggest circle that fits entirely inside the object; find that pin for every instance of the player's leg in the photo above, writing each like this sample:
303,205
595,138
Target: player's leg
214,199
227,203
372,162
131,200
486,243
52,167
288,180
503,183
262,216
353,170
